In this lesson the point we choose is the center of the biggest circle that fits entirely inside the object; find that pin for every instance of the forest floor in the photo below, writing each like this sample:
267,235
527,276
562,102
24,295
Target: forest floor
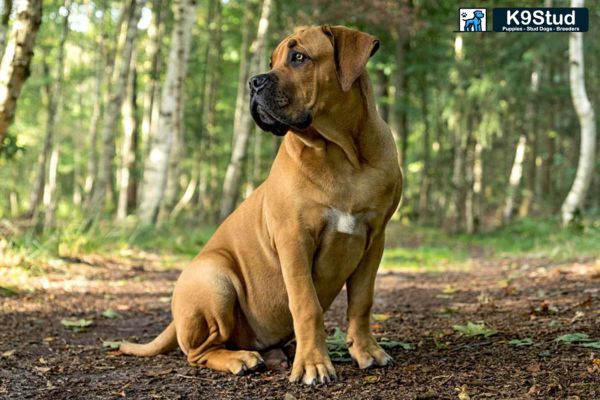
530,315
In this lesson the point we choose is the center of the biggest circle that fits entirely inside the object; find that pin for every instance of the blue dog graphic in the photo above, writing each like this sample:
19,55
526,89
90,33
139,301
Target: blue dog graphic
474,24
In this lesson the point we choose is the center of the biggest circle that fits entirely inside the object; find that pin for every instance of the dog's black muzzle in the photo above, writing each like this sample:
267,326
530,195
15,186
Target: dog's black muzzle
267,103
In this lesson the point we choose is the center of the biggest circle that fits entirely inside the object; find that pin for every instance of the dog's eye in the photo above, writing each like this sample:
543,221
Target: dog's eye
298,58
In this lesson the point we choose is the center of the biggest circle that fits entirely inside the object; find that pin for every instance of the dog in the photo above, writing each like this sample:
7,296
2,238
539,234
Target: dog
474,24
317,223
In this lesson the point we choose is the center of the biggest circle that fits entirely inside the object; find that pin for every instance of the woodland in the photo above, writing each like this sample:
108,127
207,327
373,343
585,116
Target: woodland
126,138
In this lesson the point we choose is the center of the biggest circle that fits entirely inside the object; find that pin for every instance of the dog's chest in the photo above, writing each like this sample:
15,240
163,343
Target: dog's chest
347,223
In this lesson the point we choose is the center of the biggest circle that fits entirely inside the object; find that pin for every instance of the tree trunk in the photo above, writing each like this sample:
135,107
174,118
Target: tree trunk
157,163
4,24
454,211
177,147
382,94
188,194
516,173
129,146
53,95
400,121
426,172
16,59
103,70
155,32
118,85
470,181
208,186
232,182
50,190
575,199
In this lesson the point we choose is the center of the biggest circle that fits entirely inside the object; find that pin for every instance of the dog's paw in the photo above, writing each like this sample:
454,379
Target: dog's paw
313,369
369,354
244,362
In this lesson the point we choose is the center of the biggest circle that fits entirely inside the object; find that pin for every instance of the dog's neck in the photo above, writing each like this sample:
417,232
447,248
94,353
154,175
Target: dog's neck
353,124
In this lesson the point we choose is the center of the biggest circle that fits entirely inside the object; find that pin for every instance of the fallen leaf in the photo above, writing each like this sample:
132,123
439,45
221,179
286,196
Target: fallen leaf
462,393
111,344
593,345
449,289
371,378
475,329
449,310
76,325
8,353
576,337
381,317
521,342
392,344
110,313
8,291
534,368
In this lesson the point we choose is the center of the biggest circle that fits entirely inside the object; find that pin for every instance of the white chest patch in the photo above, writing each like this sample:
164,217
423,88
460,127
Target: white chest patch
344,222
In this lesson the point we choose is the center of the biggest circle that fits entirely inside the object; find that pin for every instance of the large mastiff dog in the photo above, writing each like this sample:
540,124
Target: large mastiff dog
316,224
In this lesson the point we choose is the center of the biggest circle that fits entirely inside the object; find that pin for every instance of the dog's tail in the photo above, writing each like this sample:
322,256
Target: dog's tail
164,342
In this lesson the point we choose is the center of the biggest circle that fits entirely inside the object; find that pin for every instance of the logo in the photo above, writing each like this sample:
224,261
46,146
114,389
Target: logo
541,19
472,20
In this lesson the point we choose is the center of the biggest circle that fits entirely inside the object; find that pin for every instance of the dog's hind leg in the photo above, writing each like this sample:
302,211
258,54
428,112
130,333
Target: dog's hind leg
203,309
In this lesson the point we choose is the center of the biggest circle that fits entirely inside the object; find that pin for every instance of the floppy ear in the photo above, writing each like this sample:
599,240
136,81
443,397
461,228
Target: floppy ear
351,51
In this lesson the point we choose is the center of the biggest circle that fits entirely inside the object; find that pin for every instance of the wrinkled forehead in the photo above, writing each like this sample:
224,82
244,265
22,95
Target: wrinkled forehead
311,41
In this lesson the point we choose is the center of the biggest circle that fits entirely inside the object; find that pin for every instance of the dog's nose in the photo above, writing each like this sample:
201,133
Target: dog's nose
257,82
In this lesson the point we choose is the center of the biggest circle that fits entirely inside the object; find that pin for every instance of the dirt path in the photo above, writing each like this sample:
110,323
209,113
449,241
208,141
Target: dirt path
40,358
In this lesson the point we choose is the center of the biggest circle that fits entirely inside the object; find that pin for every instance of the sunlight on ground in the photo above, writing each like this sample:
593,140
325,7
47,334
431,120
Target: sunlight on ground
425,258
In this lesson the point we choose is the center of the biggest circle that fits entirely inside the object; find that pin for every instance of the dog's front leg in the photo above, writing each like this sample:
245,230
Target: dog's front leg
311,362
360,286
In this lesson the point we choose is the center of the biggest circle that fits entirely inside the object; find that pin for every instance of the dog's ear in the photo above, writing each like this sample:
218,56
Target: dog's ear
351,50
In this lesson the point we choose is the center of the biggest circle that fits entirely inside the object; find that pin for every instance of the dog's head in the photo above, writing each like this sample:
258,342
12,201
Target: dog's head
312,70
478,14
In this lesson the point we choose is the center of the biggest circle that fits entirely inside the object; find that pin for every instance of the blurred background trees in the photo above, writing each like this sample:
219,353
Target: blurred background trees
137,111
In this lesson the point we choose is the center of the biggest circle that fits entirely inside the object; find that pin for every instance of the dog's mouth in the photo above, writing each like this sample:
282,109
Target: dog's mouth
271,121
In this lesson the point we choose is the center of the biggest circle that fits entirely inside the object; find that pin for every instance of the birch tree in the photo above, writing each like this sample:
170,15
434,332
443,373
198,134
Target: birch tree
4,23
241,133
53,90
157,163
118,87
94,124
177,147
14,69
129,147
207,187
587,121
155,32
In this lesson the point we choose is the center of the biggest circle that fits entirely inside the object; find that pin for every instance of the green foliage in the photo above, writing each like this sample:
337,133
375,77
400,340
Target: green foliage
77,325
110,313
540,238
111,344
521,342
582,339
475,329
70,240
336,345
338,349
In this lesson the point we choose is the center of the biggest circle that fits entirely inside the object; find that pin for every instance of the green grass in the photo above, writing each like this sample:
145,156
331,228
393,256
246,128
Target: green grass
413,247
429,257
180,239
536,238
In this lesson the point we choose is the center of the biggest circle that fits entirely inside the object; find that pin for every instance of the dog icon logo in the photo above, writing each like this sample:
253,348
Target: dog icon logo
472,20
